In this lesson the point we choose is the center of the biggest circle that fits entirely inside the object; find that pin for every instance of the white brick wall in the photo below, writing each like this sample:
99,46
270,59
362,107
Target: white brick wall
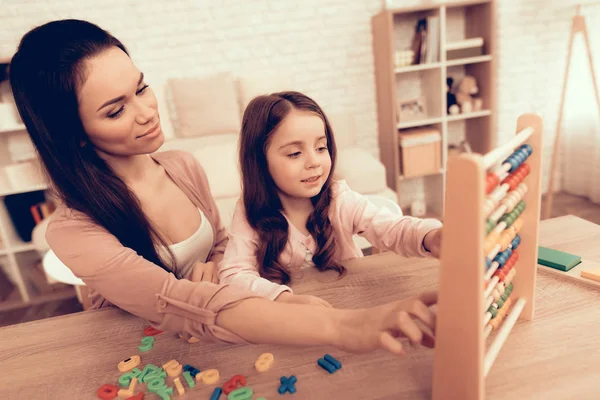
324,45
532,51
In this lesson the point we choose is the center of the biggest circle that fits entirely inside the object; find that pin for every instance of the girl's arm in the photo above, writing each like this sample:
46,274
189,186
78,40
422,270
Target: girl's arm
230,314
239,266
383,228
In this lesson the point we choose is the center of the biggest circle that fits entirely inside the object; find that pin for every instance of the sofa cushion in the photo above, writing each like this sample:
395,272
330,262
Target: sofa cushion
220,161
204,106
226,207
363,172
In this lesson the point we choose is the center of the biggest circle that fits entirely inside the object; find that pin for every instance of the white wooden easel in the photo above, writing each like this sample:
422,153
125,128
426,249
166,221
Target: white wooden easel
578,26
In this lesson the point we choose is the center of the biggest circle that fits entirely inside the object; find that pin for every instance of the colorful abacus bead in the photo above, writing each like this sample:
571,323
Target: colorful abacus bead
515,242
515,178
489,225
519,155
512,216
513,197
491,181
495,323
488,206
502,257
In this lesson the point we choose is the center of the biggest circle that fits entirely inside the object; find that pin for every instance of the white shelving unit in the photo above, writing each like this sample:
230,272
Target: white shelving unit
18,258
393,30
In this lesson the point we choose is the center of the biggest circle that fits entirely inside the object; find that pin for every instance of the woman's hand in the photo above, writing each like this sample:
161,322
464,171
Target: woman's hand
287,297
382,326
205,272
433,242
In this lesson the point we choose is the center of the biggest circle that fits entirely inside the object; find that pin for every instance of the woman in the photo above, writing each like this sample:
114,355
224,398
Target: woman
132,224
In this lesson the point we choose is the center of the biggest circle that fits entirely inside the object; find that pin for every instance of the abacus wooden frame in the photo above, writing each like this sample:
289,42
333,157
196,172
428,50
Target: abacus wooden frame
461,360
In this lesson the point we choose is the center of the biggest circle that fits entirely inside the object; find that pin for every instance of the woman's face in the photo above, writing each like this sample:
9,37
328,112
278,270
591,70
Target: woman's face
118,110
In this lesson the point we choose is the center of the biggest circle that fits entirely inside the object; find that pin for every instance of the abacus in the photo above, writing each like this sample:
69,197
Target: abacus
488,258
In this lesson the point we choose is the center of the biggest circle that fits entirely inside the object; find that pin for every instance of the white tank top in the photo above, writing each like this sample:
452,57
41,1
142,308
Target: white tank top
193,249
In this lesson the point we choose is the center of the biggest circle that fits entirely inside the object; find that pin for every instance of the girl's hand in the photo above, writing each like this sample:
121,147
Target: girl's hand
205,272
433,242
287,297
382,326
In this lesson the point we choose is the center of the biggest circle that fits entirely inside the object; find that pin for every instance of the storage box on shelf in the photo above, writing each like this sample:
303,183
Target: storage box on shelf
465,27
420,152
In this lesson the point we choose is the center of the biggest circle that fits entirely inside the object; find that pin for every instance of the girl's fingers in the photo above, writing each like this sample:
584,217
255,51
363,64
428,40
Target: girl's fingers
424,314
428,340
407,327
429,298
391,344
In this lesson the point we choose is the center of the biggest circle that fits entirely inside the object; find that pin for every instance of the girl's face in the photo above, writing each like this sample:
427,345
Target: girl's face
118,110
297,155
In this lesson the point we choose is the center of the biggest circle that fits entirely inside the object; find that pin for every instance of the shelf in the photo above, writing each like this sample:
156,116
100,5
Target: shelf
18,248
405,178
465,3
469,60
421,122
476,114
16,128
414,9
417,67
6,192
462,22
427,7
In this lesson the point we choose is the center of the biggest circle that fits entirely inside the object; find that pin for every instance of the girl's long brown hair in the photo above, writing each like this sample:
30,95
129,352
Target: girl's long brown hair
263,207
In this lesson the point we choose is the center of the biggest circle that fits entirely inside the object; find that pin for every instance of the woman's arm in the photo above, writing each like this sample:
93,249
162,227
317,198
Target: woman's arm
137,285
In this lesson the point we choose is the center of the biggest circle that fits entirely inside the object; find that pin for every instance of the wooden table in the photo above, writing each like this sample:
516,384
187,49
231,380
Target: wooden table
556,356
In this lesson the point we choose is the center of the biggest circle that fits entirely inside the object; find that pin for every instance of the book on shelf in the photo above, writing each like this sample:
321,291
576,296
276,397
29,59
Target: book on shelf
433,39
464,48
426,42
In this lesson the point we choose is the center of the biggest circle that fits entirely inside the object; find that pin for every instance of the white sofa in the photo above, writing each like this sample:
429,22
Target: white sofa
206,118
203,117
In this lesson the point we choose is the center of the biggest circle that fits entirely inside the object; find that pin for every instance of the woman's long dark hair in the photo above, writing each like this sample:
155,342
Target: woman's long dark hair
45,73
261,200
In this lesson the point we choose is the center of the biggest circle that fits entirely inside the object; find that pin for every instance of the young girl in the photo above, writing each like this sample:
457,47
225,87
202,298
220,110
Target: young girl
293,213
134,225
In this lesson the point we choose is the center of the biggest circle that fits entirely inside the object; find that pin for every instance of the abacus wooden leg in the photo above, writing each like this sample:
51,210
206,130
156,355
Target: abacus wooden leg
458,364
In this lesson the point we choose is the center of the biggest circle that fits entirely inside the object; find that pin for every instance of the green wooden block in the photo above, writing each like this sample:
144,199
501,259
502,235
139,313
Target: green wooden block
557,259
189,379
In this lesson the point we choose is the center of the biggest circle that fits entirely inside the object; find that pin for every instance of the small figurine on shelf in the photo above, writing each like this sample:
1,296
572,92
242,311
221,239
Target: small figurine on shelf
466,95
451,103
